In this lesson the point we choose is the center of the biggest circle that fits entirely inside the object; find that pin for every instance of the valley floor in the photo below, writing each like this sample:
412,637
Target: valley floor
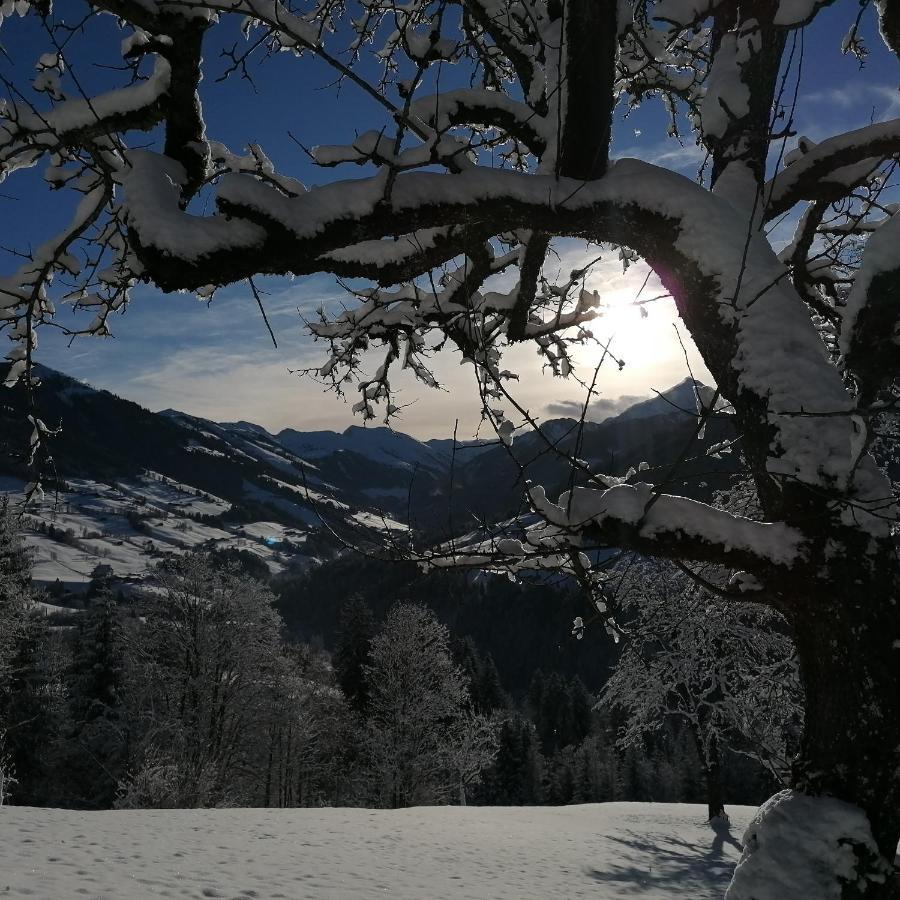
609,851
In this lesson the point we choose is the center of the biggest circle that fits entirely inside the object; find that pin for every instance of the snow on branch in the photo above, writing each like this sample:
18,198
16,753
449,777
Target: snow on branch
470,106
732,292
635,517
872,315
153,213
889,24
830,169
403,258
563,537
27,134
523,36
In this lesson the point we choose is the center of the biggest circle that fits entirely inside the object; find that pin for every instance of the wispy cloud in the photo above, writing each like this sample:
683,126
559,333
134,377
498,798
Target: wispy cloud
668,153
884,97
597,411
834,109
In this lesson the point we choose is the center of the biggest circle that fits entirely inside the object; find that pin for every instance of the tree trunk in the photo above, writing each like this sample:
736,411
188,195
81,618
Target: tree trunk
850,661
590,73
715,797
848,642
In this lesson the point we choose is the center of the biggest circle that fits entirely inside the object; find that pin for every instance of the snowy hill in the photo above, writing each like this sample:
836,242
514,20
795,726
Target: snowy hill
679,400
132,485
608,851
380,444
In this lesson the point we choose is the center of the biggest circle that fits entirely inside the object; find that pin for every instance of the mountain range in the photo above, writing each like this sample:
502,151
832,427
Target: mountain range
130,485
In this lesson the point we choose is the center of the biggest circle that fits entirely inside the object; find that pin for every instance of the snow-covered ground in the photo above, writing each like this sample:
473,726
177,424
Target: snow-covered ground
94,524
609,851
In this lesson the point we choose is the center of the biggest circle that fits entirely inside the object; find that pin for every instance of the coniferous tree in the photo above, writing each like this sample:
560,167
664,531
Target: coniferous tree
30,688
489,691
351,655
515,778
15,586
580,703
97,742
34,713
504,783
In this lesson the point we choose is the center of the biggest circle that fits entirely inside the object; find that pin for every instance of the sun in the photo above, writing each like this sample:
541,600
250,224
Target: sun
642,330
623,330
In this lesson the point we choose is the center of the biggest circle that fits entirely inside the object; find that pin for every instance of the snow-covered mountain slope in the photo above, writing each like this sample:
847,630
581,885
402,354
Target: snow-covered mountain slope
382,445
131,485
611,851
90,529
679,400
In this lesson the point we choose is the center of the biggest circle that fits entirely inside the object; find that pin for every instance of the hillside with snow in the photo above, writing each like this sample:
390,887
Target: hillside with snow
131,485
128,486
611,851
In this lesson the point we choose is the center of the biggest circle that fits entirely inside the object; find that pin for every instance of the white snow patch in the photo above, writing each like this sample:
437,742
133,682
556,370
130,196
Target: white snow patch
378,521
819,831
630,504
609,851
306,493
880,257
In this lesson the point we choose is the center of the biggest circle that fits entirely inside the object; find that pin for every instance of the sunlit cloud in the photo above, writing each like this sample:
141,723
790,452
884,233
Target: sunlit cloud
597,410
217,361
885,97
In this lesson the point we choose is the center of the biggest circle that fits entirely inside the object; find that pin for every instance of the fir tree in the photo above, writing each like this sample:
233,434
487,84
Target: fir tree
354,643
99,737
489,690
15,585
32,713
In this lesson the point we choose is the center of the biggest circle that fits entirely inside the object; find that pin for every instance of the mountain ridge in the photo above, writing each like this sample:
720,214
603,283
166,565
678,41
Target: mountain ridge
171,480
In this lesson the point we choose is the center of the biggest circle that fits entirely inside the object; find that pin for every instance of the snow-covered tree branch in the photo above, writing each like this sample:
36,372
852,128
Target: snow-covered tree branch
450,209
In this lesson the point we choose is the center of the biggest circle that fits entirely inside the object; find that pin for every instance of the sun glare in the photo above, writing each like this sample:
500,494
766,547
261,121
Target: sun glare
628,329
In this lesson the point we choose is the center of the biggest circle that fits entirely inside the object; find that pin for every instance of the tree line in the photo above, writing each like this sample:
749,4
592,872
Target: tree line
195,695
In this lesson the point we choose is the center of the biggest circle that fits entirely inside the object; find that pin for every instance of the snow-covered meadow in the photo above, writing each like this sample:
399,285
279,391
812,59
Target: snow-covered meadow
608,851
101,533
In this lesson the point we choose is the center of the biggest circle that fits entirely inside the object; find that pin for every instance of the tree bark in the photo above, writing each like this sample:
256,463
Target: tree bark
747,137
590,73
715,795
848,642
715,799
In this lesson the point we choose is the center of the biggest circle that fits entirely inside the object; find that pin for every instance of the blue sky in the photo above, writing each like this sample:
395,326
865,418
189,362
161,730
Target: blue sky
218,360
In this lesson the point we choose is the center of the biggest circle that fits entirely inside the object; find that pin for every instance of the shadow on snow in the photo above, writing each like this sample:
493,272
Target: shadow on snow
696,869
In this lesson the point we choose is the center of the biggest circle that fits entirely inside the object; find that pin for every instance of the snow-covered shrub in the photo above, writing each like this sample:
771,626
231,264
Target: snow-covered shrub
833,839
154,785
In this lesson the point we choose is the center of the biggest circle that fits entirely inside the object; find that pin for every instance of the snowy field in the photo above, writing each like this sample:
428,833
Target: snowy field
605,852
96,515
